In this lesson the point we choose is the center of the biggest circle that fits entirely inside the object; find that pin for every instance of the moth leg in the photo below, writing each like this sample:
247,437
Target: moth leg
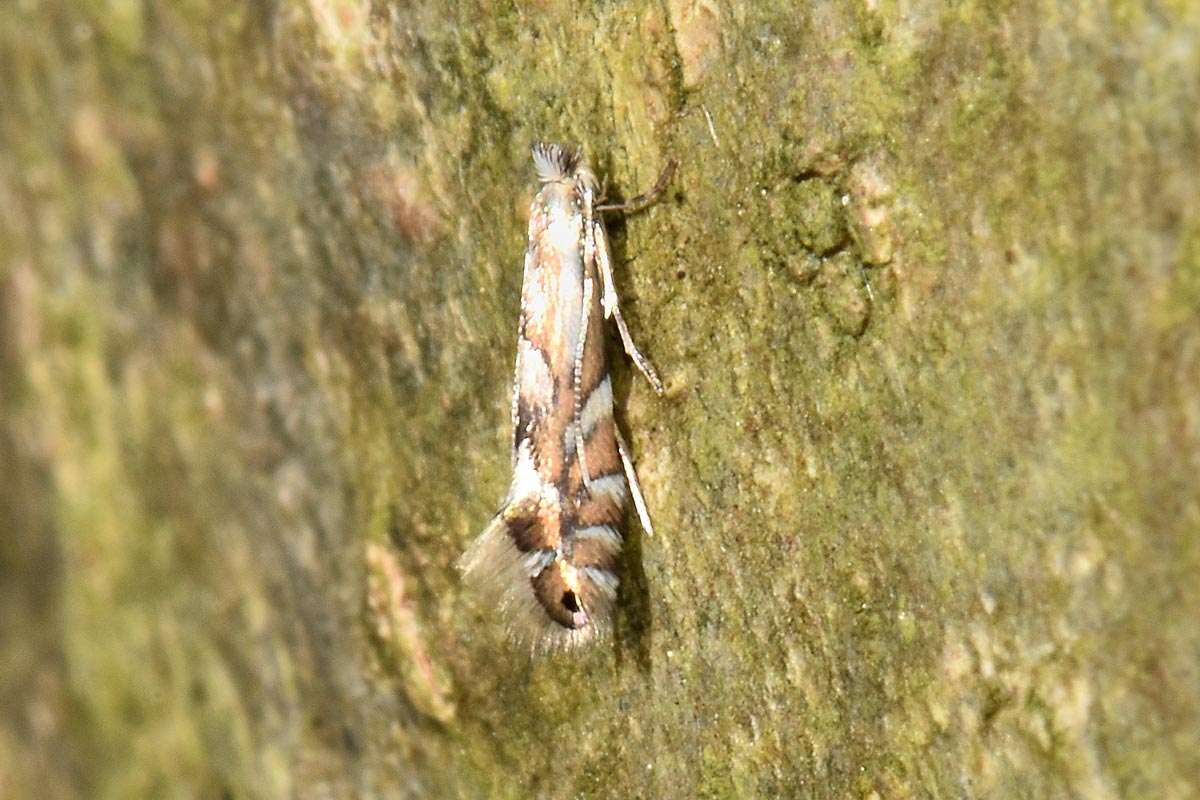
642,200
635,488
613,311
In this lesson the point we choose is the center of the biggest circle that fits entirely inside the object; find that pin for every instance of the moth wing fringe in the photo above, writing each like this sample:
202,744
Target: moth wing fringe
492,562
528,624
494,565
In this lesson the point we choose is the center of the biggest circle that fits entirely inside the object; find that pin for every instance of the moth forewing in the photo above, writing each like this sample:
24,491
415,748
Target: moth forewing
551,553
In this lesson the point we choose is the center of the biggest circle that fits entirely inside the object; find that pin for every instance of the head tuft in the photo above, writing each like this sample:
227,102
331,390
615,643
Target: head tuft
554,162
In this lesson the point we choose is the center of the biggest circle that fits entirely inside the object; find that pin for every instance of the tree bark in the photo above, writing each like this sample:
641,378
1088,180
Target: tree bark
924,292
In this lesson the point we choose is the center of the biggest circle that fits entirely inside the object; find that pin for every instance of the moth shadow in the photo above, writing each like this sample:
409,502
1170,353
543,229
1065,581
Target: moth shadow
634,623
634,626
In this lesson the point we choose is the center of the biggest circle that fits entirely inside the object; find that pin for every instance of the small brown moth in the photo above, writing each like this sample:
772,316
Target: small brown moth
552,550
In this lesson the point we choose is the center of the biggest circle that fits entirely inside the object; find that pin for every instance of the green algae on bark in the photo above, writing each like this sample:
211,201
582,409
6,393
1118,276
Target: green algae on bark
923,294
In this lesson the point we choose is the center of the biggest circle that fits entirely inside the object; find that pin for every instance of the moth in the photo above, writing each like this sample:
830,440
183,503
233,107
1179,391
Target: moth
551,552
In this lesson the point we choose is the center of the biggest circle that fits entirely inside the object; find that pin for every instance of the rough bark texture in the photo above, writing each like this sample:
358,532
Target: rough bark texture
924,293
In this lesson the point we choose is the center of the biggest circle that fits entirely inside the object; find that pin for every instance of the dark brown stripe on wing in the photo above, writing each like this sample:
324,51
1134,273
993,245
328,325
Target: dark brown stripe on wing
600,449
605,503
594,546
530,526
526,534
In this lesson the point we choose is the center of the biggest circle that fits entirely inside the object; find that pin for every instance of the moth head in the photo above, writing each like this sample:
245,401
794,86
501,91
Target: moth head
554,162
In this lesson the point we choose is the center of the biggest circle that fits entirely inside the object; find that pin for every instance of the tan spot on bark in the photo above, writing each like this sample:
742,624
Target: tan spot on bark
697,37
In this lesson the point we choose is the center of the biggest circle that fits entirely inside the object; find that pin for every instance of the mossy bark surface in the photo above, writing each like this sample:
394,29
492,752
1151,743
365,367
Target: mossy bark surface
925,294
